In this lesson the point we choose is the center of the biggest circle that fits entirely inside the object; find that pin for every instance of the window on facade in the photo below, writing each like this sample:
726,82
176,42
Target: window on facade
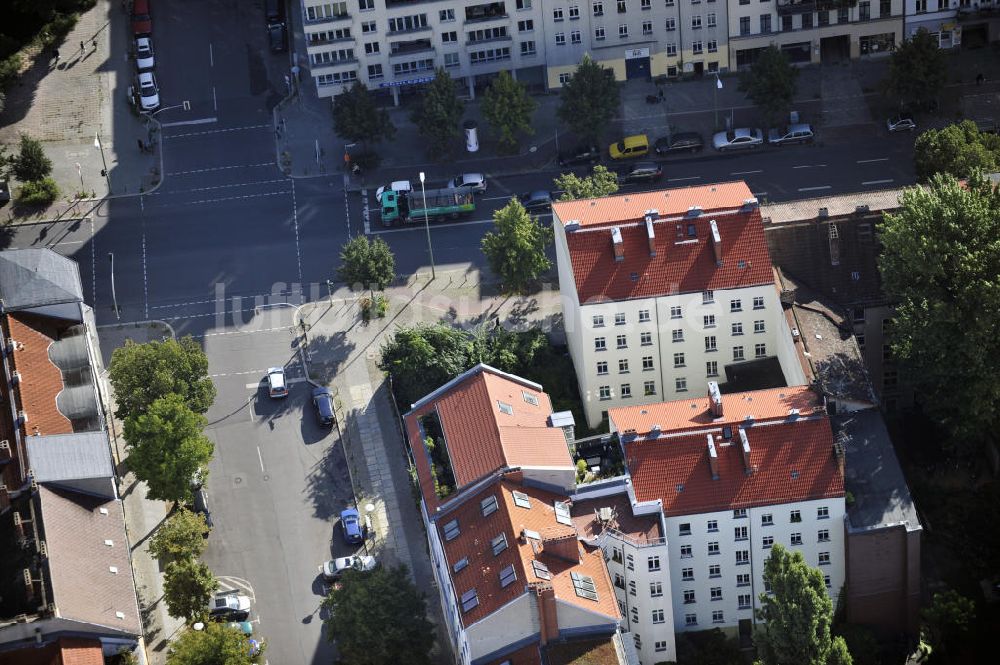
760,350
647,27
716,593
689,596
796,539
658,616
795,516
758,326
826,581
743,579
843,16
713,47
713,548
643,316
604,392
574,12
599,33
653,563
646,338
598,9
715,570
684,529
557,14
522,4
767,519
707,297
735,305
740,533
620,319
709,320
697,46
560,39
527,25
671,24
623,30
681,384
407,23
649,388
631,588
622,7
690,619
447,37
807,21
768,542
737,353
446,15
600,344
626,390
822,513
739,513
602,367
712,368
710,20
645,4
758,302
647,363
622,341
671,52
744,601
374,72
742,557
687,574
623,366
655,589
823,18
696,22
660,646
765,23
885,8
685,551
823,535
451,60
718,617
368,27
598,320
737,328
864,11
824,558
678,360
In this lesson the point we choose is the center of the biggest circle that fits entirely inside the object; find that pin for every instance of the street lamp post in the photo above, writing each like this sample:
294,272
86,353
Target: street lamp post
715,98
104,161
114,296
427,225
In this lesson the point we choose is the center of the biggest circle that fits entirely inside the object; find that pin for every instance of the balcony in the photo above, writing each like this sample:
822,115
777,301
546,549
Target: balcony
410,47
306,21
487,40
485,12
788,7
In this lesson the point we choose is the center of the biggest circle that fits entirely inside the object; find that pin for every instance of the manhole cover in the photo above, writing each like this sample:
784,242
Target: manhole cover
266,477
237,480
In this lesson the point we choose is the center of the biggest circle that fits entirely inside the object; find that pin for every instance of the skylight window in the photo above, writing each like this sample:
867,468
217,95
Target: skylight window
506,408
461,564
489,505
451,530
499,543
521,500
507,576
541,570
529,398
562,513
584,586
470,600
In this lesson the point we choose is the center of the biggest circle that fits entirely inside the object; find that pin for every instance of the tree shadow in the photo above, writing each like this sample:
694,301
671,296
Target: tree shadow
328,484
327,355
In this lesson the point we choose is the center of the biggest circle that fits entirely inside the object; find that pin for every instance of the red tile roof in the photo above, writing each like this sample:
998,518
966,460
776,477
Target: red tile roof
792,461
474,543
611,210
41,380
688,414
683,264
639,528
66,651
481,439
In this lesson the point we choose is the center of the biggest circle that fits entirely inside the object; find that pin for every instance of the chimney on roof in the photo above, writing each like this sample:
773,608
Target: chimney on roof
713,457
824,213
750,204
548,617
838,452
561,543
616,241
650,235
572,225
834,237
714,399
745,448
716,242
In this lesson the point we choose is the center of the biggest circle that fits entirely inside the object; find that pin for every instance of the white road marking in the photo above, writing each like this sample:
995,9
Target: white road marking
869,161
250,404
217,187
878,182
498,198
211,56
233,198
145,278
810,166
243,332
199,121
295,225
814,189
215,300
254,386
260,458
420,227
221,168
746,172
217,131
215,102
693,177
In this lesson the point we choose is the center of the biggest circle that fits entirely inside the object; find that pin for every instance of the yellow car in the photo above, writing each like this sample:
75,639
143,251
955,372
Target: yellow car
629,147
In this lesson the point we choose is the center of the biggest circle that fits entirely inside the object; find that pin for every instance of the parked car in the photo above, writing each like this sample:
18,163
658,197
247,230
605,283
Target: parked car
395,186
351,524
277,37
4,192
244,627
201,507
640,172
229,607
323,401
276,386
474,181
902,122
679,142
630,147
332,570
144,54
540,201
736,139
801,133
142,21
146,92
581,154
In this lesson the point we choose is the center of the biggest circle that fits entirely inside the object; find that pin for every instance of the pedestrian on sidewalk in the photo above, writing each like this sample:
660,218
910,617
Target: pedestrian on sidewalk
82,50
55,52
94,43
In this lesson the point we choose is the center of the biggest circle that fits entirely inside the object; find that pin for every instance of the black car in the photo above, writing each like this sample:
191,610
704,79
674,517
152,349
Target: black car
540,201
581,154
640,172
201,506
323,401
679,142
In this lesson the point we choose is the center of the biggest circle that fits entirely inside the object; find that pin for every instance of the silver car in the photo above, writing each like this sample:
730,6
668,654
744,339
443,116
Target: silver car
736,139
144,60
801,133
148,92
474,181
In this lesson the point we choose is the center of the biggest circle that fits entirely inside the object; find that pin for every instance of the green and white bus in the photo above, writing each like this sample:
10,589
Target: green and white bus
408,207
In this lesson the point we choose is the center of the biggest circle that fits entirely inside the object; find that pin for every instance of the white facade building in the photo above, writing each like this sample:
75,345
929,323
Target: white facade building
663,290
938,17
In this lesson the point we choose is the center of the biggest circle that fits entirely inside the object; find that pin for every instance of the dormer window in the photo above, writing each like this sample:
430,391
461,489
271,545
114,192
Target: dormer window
489,505
505,408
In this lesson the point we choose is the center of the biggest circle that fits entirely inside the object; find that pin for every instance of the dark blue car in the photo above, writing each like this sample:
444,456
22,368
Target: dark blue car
351,525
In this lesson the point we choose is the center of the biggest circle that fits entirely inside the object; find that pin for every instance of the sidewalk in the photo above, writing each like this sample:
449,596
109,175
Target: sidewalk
142,516
68,104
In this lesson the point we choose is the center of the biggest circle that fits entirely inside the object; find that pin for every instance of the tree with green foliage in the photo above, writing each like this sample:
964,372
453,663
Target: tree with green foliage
166,447
508,108
188,585
940,263
31,163
369,263
515,249
439,113
357,118
797,615
379,618
947,619
957,150
601,182
182,536
142,373
589,100
771,83
918,70
216,644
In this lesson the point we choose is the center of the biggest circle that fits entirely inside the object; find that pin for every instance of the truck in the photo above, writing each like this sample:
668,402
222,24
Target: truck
408,207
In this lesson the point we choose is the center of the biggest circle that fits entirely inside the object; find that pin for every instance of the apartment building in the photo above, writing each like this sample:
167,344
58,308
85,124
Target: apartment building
394,46
664,291
937,17
515,579
814,31
733,475
67,592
